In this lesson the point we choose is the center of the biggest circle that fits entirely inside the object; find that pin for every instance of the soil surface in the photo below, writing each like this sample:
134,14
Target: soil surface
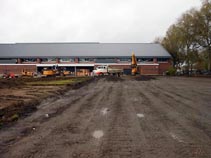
166,117
20,97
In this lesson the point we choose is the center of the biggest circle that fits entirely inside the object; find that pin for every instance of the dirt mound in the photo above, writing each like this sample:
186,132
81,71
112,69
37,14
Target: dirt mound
18,107
144,78
113,78
80,84
9,83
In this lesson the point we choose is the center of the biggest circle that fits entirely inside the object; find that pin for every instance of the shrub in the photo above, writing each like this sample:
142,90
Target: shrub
171,71
14,117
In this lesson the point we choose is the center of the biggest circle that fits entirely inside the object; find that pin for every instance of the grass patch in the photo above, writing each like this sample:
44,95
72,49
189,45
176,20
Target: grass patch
61,82
14,117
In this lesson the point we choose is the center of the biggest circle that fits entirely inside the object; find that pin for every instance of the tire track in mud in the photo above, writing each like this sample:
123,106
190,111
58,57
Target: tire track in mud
117,141
186,143
40,143
184,107
98,122
164,131
124,137
38,118
156,139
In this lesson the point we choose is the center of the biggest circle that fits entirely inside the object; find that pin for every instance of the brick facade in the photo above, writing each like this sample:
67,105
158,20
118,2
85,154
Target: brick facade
152,68
149,69
163,67
16,69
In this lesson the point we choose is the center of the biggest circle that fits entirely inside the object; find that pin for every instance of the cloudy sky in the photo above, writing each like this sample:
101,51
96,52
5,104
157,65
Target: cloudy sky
88,20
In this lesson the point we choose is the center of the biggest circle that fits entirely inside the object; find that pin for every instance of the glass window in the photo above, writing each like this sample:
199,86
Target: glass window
145,59
51,59
66,60
125,59
44,59
29,59
86,59
162,59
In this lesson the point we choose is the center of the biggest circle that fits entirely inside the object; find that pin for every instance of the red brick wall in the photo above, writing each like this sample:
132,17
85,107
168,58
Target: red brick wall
16,69
149,69
163,67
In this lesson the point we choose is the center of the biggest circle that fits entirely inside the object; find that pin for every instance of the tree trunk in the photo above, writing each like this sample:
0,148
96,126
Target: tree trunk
209,58
191,68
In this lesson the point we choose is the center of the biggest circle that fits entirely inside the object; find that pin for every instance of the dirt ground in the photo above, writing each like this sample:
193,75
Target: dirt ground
118,118
19,97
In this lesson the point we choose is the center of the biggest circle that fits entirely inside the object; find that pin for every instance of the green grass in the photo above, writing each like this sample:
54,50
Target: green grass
58,82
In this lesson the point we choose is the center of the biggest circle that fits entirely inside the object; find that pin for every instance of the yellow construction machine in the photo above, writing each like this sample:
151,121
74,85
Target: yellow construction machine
27,73
66,72
48,72
134,65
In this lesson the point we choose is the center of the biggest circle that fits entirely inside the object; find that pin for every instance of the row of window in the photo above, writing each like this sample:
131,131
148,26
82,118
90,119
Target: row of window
92,59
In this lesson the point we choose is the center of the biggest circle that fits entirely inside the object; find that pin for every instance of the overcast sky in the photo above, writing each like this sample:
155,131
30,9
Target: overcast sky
88,20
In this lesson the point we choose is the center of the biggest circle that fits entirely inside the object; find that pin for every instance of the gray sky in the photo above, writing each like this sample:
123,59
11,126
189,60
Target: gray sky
88,20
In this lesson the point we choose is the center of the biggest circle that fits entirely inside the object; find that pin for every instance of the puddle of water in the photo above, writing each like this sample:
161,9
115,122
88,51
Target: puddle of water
97,134
176,137
104,111
140,115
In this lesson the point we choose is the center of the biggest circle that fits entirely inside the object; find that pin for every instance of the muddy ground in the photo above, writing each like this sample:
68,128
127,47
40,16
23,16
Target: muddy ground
112,118
19,97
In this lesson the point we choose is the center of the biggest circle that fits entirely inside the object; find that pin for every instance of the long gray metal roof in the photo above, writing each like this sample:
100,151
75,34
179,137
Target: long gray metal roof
82,50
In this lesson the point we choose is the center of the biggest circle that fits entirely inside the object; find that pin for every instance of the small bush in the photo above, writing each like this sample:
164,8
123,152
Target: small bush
171,71
14,117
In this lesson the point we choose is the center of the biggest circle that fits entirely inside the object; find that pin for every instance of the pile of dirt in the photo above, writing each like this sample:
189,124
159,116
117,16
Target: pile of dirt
9,83
19,109
28,79
144,78
113,78
80,84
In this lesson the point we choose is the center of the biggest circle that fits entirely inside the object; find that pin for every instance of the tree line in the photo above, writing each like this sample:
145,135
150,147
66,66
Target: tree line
189,39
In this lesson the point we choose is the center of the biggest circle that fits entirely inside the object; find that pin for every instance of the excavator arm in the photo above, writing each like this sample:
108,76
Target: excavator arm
134,66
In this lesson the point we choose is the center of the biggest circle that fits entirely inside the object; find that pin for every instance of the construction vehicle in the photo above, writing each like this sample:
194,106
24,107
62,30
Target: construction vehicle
27,73
9,75
64,72
134,65
107,70
46,72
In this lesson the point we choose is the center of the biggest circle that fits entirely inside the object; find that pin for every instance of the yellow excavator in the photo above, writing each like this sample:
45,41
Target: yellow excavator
134,66
27,73
49,72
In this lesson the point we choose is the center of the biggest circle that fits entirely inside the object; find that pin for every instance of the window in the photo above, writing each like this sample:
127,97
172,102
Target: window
44,59
162,59
66,60
29,59
51,59
86,59
145,59
125,59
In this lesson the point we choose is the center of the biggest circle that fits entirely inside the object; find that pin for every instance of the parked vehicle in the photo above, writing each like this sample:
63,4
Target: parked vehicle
28,73
9,75
49,72
107,70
